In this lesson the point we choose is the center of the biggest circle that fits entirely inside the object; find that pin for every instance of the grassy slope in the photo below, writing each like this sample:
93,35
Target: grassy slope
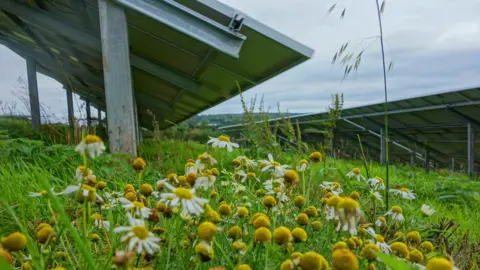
22,171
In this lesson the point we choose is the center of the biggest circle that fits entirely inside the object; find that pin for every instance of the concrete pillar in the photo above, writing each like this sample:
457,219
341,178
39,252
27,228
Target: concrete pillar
70,112
471,149
33,93
382,148
119,93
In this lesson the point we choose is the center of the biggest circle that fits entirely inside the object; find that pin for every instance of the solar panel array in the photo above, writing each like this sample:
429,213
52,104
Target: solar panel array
437,125
186,56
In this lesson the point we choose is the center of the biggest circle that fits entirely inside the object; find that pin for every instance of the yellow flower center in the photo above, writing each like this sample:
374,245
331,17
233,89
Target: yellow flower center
397,209
97,216
274,163
404,189
138,205
251,174
379,179
43,193
439,264
348,203
356,171
89,139
141,232
183,193
224,138
379,238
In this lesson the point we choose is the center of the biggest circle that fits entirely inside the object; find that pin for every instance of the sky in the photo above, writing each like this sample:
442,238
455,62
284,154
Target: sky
433,44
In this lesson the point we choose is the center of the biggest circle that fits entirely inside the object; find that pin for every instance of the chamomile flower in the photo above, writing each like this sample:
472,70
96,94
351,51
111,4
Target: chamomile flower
237,188
205,180
222,141
241,176
138,237
349,213
246,162
376,195
302,165
42,193
376,183
91,144
396,213
404,193
274,183
273,166
100,223
205,158
355,172
81,173
83,192
333,187
190,203
139,208
427,210
379,241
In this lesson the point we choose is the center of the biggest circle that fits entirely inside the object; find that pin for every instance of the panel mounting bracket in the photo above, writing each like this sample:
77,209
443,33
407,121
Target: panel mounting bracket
236,22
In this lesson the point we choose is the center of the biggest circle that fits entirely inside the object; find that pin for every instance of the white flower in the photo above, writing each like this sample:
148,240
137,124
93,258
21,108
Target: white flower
302,166
190,203
85,191
396,213
376,195
355,173
205,158
139,238
275,167
80,173
404,193
139,207
376,183
42,193
248,163
113,197
427,210
222,142
92,144
100,223
349,214
242,175
380,241
333,187
273,183
237,188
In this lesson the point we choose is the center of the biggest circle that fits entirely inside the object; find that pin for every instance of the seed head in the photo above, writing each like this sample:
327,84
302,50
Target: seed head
262,235
340,245
427,246
224,209
242,212
282,235
299,201
261,221
235,232
139,164
269,201
355,195
400,249
439,264
101,185
291,177
302,219
311,211
206,231
45,234
315,157
6,256
299,235
344,259
313,261
369,252
243,267
287,265
15,241
414,237
415,256
146,190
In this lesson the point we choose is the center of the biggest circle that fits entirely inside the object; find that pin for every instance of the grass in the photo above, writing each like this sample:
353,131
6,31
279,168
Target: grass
33,166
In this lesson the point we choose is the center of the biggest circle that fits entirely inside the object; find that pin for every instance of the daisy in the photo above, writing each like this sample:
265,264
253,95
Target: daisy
349,214
92,144
191,203
302,165
205,158
113,197
246,162
100,223
404,193
139,238
42,193
275,167
172,177
86,191
396,213
241,175
427,210
273,183
376,183
237,188
355,172
222,142
81,174
206,180
333,187
376,195
380,241
139,207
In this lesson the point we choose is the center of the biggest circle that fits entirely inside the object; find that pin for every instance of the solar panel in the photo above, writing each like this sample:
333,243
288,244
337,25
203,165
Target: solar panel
442,124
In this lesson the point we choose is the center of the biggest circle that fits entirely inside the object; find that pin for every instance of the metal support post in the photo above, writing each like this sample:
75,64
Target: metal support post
70,112
427,160
453,164
33,93
412,159
89,114
382,147
471,149
99,115
119,93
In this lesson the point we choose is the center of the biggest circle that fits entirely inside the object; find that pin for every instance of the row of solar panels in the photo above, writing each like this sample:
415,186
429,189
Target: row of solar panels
436,124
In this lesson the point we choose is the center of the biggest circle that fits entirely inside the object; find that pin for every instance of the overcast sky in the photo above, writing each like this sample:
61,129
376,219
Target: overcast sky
434,44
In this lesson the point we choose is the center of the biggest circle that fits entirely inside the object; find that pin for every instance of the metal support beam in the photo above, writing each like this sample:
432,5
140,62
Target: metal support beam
118,81
191,23
464,117
89,114
471,149
70,112
33,94
383,153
